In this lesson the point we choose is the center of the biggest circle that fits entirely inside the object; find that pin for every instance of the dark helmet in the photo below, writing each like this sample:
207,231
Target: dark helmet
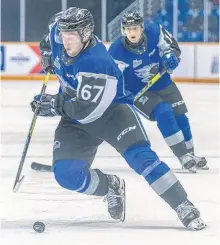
131,19
77,19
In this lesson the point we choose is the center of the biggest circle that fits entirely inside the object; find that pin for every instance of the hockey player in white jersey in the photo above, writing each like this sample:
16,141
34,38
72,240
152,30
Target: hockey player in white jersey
143,50
94,108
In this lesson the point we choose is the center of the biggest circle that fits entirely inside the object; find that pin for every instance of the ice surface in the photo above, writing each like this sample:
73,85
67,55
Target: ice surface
72,218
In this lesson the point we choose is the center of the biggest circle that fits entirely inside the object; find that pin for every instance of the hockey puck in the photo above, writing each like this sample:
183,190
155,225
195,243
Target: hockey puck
39,227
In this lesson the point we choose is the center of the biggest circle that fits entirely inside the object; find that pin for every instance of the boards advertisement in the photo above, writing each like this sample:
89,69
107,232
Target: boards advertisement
199,62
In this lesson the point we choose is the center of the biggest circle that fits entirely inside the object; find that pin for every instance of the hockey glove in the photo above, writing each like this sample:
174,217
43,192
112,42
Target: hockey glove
170,62
47,106
46,62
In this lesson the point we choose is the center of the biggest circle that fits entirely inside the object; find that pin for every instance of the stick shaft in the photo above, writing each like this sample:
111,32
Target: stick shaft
19,179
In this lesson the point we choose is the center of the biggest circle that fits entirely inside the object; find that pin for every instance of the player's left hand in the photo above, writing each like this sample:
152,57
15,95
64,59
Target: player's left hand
47,105
170,62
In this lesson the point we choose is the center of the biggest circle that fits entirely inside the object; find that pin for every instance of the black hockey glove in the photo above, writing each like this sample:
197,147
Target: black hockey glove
46,62
47,106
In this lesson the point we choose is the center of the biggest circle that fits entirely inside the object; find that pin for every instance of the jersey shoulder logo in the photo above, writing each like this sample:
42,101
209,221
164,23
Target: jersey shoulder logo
57,63
121,65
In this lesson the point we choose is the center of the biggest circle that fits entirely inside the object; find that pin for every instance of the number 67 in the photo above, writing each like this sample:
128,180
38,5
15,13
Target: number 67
87,91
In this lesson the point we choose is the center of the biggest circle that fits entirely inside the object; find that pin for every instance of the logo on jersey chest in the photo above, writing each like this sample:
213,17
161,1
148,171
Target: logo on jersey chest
147,72
137,63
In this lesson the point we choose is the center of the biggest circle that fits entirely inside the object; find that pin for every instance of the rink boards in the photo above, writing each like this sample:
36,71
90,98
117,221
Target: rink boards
199,62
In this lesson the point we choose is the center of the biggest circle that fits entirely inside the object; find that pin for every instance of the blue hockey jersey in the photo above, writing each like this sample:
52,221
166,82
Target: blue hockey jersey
91,81
139,67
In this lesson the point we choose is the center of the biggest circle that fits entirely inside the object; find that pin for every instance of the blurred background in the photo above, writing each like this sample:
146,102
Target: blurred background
194,23
188,20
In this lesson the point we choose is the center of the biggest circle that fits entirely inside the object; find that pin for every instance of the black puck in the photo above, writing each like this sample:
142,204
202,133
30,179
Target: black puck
39,227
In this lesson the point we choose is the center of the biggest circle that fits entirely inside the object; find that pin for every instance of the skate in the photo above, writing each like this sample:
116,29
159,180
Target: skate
190,216
188,162
116,197
201,163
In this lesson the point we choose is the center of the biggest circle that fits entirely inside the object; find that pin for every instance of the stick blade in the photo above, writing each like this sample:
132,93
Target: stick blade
41,167
18,184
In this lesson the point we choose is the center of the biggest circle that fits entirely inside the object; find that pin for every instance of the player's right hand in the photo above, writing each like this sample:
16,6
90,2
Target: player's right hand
46,62
47,105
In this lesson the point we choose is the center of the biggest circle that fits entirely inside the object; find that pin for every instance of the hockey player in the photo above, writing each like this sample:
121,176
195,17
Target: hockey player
144,50
94,108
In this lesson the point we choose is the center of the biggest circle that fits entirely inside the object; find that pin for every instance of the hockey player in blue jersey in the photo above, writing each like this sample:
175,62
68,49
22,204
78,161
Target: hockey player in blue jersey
94,108
143,50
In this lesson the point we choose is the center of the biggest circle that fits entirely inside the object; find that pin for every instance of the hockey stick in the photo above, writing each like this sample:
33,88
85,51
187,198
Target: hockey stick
150,84
47,168
41,167
20,178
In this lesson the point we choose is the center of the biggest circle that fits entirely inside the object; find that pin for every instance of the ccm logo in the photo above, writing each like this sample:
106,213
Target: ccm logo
125,131
178,103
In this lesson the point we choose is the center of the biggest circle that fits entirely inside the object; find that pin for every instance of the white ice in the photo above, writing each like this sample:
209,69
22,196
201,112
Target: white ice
72,218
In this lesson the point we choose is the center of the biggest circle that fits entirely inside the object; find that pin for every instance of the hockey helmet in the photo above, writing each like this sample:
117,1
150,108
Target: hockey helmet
77,19
131,19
